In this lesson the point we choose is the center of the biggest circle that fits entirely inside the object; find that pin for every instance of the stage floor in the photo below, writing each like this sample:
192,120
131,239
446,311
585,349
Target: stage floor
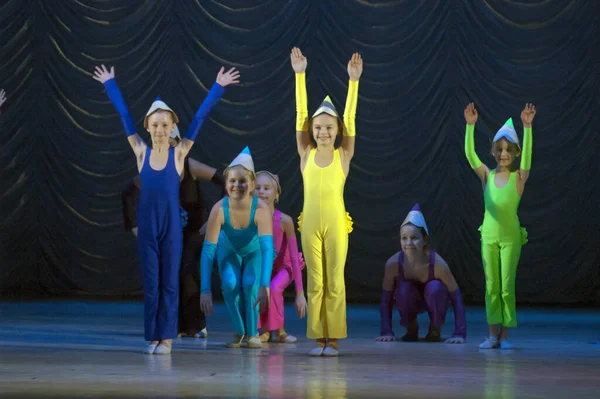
93,349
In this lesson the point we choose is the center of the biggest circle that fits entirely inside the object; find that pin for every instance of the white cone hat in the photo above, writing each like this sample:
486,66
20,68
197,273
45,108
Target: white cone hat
416,218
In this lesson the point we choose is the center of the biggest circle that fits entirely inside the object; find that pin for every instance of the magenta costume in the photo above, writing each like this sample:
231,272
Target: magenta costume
287,266
414,297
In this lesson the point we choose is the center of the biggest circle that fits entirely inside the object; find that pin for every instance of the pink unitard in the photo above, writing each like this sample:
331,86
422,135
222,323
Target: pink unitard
287,266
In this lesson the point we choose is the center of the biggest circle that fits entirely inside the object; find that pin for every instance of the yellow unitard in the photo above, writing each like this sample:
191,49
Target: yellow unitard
324,225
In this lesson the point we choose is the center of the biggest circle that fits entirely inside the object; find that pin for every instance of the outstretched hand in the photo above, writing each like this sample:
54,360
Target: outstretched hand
455,340
299,61
471,114
355,67
227,78
102,74
2,97
528,114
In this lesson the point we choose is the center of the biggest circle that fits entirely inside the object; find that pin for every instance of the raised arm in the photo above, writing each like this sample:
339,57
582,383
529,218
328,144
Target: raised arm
214,95
2,99
292,246
303,142
443,273
387,299
471,118
355,68
527,118
102,75
209,248
129,198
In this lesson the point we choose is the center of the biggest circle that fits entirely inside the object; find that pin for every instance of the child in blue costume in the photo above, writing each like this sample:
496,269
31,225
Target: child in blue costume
159,221
243,227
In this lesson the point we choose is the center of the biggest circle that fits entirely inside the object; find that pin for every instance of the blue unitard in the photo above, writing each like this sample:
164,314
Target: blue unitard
245,263
160,238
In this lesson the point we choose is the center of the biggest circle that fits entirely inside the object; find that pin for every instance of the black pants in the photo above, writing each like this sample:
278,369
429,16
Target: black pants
191,318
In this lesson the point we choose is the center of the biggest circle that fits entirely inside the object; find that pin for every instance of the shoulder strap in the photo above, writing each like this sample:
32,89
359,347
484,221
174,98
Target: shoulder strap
276,219
171,160
147,157
225,205
253,210
401,265
431,265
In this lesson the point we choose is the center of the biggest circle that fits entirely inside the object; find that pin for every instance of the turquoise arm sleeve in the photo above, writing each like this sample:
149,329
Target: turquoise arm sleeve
527,149
266,248
472,157
206,265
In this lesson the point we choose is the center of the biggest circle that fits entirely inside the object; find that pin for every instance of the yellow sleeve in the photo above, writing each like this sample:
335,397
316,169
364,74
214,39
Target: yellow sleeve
350,110
301,103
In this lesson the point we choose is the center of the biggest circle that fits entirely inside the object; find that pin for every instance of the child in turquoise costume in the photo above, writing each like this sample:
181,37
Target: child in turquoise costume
501,233
243,227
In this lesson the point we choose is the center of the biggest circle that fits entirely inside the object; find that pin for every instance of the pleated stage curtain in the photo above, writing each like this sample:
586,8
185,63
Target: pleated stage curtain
65,158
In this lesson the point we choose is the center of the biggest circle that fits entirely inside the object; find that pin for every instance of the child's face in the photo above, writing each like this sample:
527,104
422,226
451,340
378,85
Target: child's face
266,189
239,183
505,152
412,239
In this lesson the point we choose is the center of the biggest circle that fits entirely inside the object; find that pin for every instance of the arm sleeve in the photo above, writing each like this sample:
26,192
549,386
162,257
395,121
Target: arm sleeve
301,103
214,95
385,308
292,245
527,149
472,157
267,250
350,110
460,320
113,92
206,265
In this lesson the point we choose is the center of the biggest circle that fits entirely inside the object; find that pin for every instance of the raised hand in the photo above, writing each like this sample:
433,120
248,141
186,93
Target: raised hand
355,67
528,114
2,97
385,338
227,78
299,61
300,304
206,303
455,340
471,114
102,74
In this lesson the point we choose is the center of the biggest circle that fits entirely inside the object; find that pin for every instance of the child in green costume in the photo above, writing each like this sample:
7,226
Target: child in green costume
501,233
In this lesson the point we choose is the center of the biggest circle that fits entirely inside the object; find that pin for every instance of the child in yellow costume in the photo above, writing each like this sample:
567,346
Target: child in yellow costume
324,223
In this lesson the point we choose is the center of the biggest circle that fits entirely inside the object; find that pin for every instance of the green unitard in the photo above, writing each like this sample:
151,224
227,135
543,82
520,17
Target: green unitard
501,236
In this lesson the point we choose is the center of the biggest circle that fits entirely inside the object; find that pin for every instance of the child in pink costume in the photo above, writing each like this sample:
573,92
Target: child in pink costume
287,266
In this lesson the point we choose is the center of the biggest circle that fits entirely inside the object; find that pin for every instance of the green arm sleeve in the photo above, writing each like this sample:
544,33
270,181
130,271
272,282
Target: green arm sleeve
527,149
472,157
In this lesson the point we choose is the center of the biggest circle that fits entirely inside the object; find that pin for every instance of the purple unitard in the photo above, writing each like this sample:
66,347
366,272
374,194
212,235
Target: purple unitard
413,297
